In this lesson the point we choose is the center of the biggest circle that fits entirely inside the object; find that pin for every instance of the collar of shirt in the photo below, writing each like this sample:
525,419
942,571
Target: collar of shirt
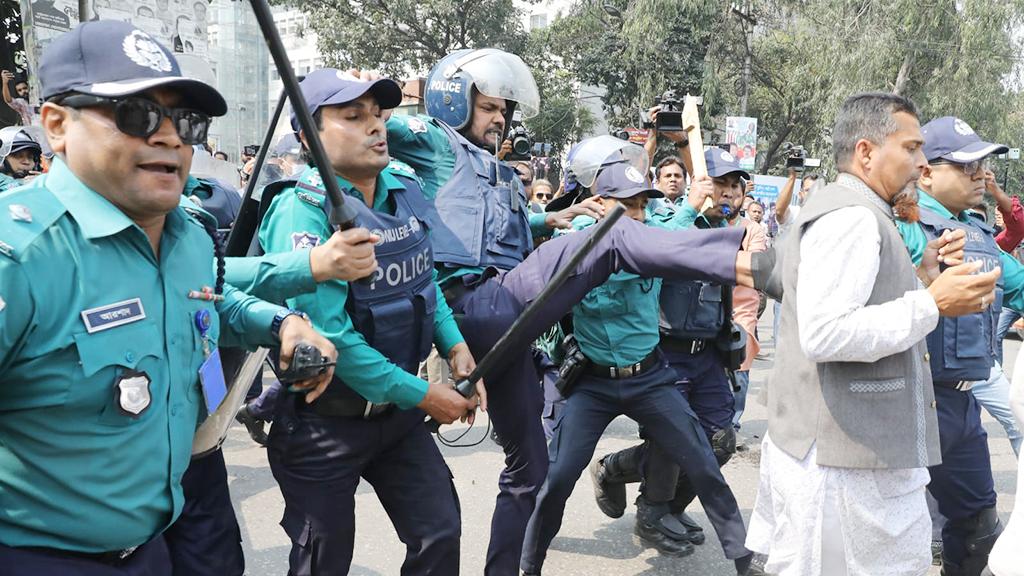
386,182
926,200
854,183
96,216
195,187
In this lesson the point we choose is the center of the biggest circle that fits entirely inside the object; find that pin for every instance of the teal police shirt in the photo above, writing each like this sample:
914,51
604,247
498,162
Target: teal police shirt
84,304
420,143
916,241
616,324
8,182
295,222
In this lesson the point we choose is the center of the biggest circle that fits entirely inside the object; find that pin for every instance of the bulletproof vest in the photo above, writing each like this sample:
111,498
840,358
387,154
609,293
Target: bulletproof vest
964,348
223,203
394,310
692,309
482,211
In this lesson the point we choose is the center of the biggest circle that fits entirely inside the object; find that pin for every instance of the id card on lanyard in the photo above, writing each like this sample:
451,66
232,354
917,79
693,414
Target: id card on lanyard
211,373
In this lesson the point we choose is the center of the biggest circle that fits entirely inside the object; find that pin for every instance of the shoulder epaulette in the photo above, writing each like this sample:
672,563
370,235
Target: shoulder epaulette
25,213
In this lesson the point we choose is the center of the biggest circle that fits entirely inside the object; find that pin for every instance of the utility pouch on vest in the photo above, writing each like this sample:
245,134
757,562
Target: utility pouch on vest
731,341
572,366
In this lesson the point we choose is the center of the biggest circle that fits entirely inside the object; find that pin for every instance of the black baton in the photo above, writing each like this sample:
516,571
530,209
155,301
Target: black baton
343,216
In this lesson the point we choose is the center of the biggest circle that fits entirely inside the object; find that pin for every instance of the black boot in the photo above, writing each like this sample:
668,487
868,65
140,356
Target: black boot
657,528
694,531
610,474
253,424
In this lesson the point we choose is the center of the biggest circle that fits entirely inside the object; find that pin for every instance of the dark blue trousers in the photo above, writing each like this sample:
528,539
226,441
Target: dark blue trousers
702,381
318,462
962,485
150,559
654,402
205,539
492,304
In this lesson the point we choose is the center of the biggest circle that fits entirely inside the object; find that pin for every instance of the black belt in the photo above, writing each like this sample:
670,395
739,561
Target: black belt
684,345
961,385
113,558
345,407
619,372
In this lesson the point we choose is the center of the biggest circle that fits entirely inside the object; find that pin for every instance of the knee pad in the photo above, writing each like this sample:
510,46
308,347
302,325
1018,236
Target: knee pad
723,444
982,529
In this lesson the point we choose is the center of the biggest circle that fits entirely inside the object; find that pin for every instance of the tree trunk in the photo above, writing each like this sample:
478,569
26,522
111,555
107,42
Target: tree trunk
904,75
774,145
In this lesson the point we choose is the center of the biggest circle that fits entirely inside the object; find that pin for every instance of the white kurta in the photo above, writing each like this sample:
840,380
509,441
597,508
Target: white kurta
812,520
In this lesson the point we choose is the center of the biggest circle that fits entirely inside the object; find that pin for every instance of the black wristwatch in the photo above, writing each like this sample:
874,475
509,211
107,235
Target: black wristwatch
275,326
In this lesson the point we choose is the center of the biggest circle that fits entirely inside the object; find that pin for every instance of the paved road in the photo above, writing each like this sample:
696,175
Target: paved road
588,544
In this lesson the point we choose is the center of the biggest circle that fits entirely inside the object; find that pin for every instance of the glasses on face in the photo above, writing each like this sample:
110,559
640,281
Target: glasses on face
543,196
971,168
141,118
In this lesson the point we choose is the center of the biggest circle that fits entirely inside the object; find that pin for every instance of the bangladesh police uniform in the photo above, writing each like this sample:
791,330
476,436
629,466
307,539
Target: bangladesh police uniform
366,425
616,327
693,314
481,241
101,366
962,350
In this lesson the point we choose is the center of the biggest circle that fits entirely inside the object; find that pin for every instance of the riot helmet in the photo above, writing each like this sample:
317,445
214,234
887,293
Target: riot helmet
585,161
20,152
449,92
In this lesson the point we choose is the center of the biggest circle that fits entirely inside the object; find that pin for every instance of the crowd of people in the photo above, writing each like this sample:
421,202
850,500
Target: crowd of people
118,298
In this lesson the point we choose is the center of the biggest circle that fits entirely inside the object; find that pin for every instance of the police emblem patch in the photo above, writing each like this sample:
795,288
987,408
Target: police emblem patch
414,224
315,179
416,126
727,157
379,234
634,175
144,51
132,392
304,240
962,128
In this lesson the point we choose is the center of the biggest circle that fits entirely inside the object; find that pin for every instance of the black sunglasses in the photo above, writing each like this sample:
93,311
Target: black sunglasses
543,195
141,117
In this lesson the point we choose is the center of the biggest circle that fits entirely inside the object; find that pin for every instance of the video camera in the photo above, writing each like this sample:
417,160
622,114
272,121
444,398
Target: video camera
796,158
670,117
251,149
521,143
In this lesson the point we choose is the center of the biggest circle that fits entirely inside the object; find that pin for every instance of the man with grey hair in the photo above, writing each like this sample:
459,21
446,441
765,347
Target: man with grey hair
851,413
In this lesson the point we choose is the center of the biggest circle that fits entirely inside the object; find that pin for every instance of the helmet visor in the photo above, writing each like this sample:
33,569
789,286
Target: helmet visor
593,153
502,75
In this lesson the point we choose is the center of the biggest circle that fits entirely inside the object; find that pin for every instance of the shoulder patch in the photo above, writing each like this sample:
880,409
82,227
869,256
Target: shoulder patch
416,126
304,240
25,213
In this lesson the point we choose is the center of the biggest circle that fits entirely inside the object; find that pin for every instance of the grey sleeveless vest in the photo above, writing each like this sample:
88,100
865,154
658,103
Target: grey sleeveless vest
860,414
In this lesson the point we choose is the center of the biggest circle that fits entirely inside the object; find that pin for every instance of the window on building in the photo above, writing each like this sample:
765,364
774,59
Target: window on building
538,21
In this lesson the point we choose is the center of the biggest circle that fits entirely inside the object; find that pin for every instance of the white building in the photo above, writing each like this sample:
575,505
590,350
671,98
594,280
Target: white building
300,42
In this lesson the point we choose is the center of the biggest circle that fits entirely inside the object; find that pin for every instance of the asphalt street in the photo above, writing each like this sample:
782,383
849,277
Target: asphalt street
589,543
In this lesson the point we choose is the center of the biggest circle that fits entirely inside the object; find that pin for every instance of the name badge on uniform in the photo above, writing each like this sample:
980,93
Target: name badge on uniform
211,377
132,392
111,315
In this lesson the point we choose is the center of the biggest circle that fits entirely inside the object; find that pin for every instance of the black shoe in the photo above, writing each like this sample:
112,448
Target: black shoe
756,568
610,496
936,552
253,424
694,531
648,536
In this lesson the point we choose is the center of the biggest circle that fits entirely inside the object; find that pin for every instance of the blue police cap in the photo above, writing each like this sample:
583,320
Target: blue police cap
112,58
950,138
621,180
721,162
332,87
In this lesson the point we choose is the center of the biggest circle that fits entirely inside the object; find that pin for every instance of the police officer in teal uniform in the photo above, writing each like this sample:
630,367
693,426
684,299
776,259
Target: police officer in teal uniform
19,157
693,316
616,326
109,320
962,350
370,423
